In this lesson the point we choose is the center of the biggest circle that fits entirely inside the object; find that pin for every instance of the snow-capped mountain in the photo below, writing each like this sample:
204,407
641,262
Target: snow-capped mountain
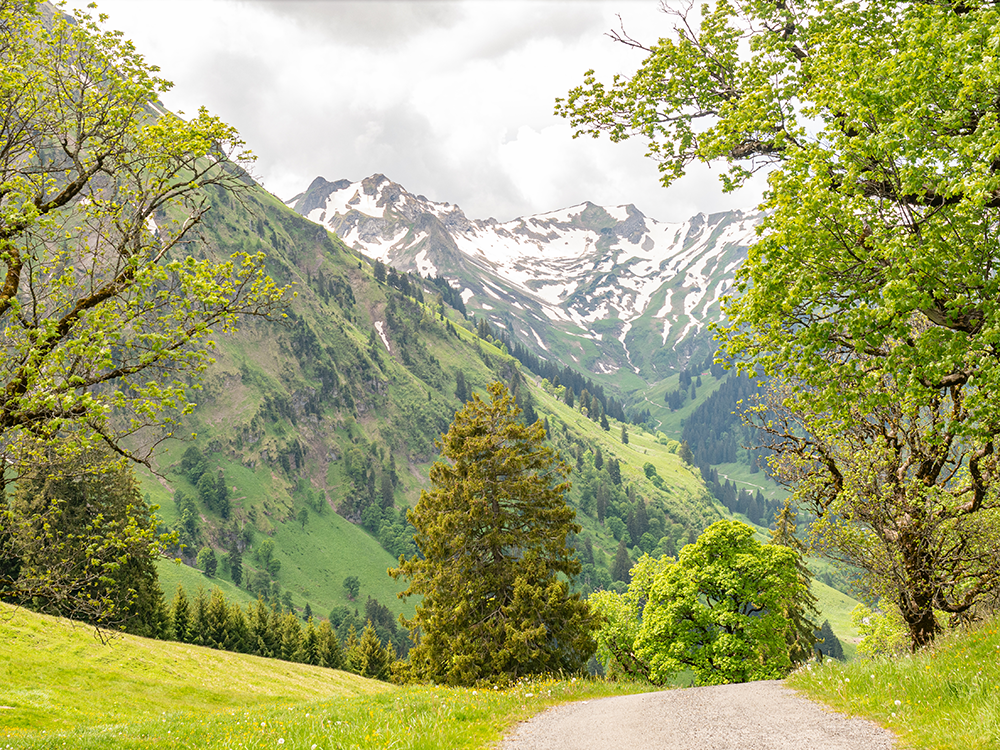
606,287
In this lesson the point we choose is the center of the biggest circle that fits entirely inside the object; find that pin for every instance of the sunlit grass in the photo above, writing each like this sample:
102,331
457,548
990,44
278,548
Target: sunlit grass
410,718
61,688
942,698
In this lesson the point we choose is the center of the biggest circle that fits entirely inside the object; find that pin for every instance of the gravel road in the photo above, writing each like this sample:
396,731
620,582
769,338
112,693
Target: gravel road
750,716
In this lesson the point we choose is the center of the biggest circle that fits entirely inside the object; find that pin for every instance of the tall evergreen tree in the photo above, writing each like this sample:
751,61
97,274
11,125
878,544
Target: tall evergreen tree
180,615
622,564
237,630
291,637
801,635
199,611
371,658
492,538
215,632
261,640
328,649
235,564
827,643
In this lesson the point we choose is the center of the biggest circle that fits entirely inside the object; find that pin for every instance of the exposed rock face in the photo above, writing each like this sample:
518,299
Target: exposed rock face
641,291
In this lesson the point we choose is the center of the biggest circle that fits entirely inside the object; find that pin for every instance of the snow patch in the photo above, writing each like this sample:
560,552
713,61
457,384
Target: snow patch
424,266
378,327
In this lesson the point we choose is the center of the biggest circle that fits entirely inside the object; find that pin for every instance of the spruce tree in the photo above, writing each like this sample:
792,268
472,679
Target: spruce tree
215,631
235,564
801,636
328,649
310,644
199,610
180,615
372,659
237,630
493,559
827,643
622,565
261,640
291,638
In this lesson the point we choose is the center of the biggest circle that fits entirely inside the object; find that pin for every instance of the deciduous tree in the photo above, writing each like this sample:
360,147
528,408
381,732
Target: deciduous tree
105,313
493,557
872,291
718,610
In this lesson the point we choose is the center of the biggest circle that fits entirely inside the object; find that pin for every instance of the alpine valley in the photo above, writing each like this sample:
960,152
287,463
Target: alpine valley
312,435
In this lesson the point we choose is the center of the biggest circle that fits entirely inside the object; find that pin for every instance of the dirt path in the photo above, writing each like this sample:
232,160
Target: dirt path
751,716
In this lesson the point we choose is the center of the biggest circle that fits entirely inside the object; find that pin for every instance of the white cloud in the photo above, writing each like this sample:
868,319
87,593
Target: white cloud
453,100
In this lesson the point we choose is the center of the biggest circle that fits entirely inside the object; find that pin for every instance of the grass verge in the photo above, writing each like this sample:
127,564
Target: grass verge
942,698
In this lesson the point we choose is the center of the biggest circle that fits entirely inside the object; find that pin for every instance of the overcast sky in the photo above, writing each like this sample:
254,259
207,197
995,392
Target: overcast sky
453,100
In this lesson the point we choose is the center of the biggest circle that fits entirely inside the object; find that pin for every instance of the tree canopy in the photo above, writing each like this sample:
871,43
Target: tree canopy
84,543
493,562
721,610
105,312
872,290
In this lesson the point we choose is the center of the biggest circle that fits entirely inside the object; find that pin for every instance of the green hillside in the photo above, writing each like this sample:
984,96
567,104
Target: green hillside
62,687
319,429
57,676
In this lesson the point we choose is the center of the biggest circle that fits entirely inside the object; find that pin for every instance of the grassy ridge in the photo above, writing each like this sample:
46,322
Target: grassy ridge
61,687
942,698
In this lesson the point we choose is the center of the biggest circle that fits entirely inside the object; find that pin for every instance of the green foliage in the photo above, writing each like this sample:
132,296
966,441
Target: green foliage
802,610
492,540
882,633
352,586
872,291
622,564
207,561
84,543
102,312
827,644
369,657
718,610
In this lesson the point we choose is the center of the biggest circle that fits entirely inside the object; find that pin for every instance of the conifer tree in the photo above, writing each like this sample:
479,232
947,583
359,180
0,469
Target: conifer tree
310,644
328,649
237,630
801,636
235,564
372,659
492,538
196,630
622,564
261,633
215,630
180,615
827,643
291,638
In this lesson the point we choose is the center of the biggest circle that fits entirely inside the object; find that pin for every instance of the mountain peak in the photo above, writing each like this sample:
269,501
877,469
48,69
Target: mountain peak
644,284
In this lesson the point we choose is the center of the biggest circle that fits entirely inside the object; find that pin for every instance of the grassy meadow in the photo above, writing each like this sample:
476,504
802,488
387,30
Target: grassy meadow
941,698
60,687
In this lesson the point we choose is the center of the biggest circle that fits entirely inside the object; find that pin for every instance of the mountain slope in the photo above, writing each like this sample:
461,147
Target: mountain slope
607,288
320,428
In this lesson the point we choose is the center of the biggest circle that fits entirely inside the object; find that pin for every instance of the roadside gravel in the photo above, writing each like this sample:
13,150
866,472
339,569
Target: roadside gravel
750,716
